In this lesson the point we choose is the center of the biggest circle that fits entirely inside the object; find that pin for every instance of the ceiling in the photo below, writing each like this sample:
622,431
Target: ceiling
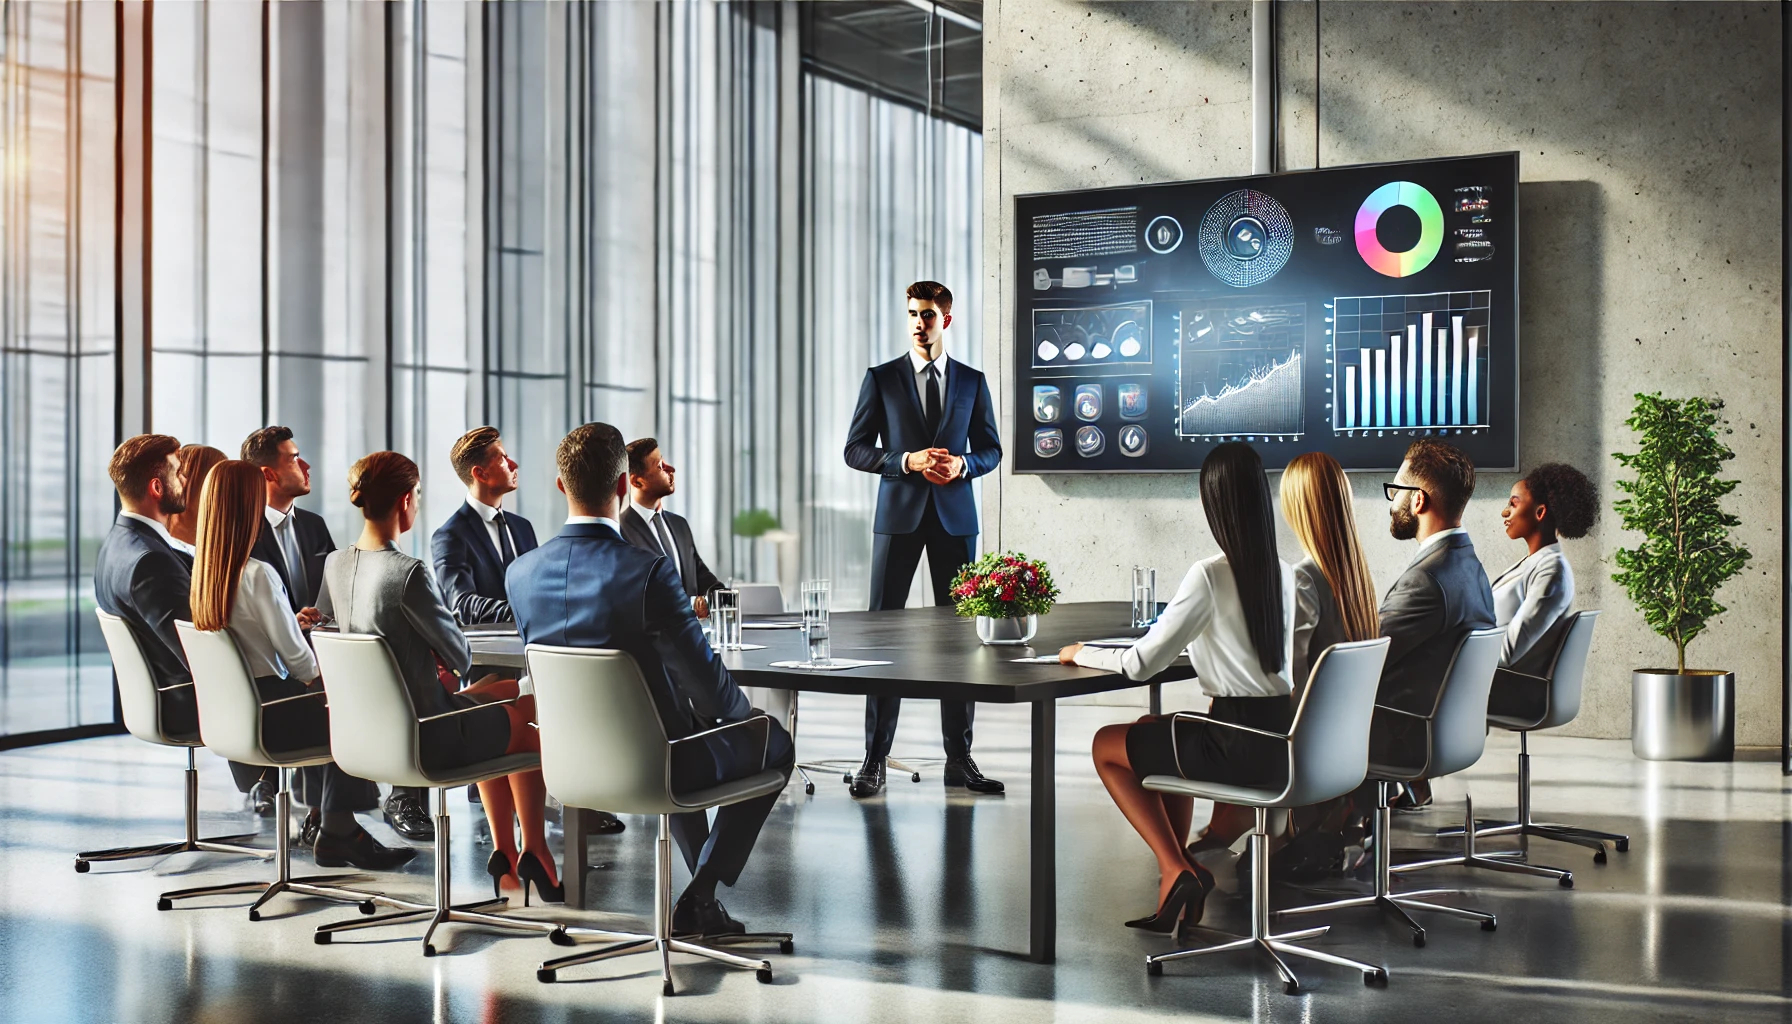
882,46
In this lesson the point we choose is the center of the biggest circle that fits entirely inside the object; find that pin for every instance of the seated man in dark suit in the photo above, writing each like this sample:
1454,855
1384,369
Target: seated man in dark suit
295,542
651,527
142,578
1442,595
590,588
479,541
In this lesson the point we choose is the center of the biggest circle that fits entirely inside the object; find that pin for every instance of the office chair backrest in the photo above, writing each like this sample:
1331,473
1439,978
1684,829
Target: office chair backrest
373,724
602,742
229,707
1328,744
137,696
1569,670
760,598
1459,719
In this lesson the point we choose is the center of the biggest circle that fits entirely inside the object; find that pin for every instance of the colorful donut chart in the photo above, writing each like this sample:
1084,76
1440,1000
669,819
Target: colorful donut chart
1431,229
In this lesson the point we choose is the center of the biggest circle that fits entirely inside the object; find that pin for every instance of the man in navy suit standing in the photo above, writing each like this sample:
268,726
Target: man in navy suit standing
925,424
590,588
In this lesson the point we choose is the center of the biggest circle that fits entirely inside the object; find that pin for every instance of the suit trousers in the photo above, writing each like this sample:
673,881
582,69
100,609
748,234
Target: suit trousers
301,724
724,847
894,559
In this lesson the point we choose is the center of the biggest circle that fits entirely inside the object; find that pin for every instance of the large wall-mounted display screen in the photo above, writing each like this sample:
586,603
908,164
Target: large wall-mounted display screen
1348,310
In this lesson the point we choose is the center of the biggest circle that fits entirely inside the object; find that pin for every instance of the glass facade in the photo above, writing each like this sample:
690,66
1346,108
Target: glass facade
382,224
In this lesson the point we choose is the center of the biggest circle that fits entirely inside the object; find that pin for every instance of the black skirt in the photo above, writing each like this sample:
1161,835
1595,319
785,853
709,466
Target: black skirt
1214,753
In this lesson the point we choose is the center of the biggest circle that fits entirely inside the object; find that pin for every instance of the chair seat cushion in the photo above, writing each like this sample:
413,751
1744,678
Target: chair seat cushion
1249,796
734,790
304,757
1395,772
482,770
1513,724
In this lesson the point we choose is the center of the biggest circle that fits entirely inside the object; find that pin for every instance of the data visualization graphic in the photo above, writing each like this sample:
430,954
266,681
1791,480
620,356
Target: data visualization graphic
1241,370
1412,362
1246,238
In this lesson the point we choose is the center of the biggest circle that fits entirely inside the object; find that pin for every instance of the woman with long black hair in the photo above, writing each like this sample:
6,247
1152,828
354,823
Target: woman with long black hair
1240,616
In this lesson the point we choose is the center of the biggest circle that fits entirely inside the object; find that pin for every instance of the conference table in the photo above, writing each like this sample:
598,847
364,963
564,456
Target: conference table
933,655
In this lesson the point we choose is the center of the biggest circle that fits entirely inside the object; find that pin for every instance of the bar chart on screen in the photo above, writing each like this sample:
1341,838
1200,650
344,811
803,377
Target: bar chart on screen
1411,363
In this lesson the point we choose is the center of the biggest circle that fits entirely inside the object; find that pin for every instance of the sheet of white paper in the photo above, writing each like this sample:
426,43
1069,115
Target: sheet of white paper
835,665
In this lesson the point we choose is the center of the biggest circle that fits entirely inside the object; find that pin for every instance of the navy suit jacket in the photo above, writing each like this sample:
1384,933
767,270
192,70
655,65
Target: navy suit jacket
698,580
590,588
315,544
140,578
470,570
1435,602
888,421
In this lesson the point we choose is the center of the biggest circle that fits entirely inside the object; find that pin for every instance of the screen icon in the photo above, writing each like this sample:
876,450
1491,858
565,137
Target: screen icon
1133,440
1090,442
1047,442
1132,401
1046,402
1088,402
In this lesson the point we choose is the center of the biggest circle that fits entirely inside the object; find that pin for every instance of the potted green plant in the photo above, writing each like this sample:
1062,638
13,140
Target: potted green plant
1675,500
1007,593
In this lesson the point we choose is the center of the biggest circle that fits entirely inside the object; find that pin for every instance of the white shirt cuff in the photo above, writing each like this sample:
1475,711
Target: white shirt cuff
905,469
1105,659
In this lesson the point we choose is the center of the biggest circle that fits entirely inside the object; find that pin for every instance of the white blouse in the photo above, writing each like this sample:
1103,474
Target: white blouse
263,623
1530,597
1206,619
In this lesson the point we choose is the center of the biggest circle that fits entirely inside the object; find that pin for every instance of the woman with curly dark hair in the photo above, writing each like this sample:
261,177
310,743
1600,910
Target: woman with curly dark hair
1554,500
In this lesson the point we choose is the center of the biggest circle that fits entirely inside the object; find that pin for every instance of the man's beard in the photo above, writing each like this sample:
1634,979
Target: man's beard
173,504
1402,523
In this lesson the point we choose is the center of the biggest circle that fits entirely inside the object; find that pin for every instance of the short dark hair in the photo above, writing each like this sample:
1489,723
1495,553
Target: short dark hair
378,480
139,460
263,447
591,459
932,291
638,450
471,450
1447,475
1567,495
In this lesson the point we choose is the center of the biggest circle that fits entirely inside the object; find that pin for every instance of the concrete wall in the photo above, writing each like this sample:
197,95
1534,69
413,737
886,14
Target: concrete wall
1650,139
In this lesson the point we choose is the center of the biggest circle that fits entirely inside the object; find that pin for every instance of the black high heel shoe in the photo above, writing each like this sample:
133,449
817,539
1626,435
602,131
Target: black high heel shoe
532,873
497,866
1187,887
1197,903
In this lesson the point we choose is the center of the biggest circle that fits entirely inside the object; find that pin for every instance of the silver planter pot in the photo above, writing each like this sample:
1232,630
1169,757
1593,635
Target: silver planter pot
1682,716
1007,632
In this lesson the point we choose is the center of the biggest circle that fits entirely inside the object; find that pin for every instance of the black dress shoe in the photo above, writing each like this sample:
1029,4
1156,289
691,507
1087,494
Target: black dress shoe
870,779
962,771
261,799
409,820
703,917
604,823
310,828
360,850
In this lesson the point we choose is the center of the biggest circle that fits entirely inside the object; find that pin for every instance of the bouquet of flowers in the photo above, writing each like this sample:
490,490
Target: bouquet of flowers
1004,586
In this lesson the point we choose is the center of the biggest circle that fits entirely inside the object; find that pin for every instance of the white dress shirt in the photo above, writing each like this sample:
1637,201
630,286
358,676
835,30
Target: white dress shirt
921,365
648,515
159,528
266,629
1436,538
489,516
1531,597
581,520
287,540
1206,619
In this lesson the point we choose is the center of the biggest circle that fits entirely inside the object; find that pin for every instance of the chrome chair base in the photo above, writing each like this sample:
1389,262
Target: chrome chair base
1525,828
1396,904
237,844
664,943
1504,860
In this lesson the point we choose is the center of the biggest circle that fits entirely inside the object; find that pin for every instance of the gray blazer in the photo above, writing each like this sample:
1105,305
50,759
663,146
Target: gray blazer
1328,630
1529,600
392,595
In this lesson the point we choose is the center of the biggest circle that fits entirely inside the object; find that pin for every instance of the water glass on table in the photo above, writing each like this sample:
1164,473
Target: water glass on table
1144,596
816,594
724,612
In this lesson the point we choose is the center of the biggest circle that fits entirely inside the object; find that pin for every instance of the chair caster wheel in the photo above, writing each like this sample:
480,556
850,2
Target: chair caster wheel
1488,926
914,777
1418,940
254,915
164,904
1623,845
1376,978
1599,858
846,779
429,949
1153,968
1291,988
808,789
544,976
321,938
82,867
787,946
559,937
764,974
365,906
666,989
1567,882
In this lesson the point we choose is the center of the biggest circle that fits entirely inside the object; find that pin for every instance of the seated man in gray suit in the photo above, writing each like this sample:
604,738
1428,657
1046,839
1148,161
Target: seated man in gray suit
1442,595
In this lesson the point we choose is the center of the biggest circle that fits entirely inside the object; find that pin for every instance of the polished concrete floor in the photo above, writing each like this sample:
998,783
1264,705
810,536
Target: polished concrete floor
912,907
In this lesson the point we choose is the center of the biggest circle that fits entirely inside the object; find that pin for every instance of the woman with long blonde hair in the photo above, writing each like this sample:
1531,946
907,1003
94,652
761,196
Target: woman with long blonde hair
196,462
233,591
1316,505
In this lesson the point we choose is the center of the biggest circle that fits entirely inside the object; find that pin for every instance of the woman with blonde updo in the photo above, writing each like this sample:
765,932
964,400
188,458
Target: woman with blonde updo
375,588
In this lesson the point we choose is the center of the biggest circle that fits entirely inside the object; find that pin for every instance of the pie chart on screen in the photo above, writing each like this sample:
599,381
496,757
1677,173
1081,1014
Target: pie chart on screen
1431,229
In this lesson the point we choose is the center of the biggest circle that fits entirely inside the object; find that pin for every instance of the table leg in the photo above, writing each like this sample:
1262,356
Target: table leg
1157,698
573,823
1042,945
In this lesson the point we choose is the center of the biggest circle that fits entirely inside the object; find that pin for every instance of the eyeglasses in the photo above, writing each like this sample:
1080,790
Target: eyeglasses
1392,490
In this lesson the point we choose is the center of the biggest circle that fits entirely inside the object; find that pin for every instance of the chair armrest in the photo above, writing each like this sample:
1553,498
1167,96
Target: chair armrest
177,686
288,700
1379,708
760,723
462,711
1527,675
1176,753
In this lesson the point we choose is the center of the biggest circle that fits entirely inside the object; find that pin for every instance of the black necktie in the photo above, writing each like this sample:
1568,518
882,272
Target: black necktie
506,552
659,527
933,400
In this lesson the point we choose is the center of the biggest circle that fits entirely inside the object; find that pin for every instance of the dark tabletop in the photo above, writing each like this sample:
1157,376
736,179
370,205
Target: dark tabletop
934,654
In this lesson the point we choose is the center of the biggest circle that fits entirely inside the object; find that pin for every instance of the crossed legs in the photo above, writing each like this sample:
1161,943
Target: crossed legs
1161,819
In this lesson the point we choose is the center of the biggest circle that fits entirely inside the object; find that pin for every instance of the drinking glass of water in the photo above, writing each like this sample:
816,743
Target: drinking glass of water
816,594
724,610
1144,596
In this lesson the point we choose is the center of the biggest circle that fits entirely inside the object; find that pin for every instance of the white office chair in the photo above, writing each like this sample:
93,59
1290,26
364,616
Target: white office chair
603,745
374,734
230,713
140,699
1328,754
1455,733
